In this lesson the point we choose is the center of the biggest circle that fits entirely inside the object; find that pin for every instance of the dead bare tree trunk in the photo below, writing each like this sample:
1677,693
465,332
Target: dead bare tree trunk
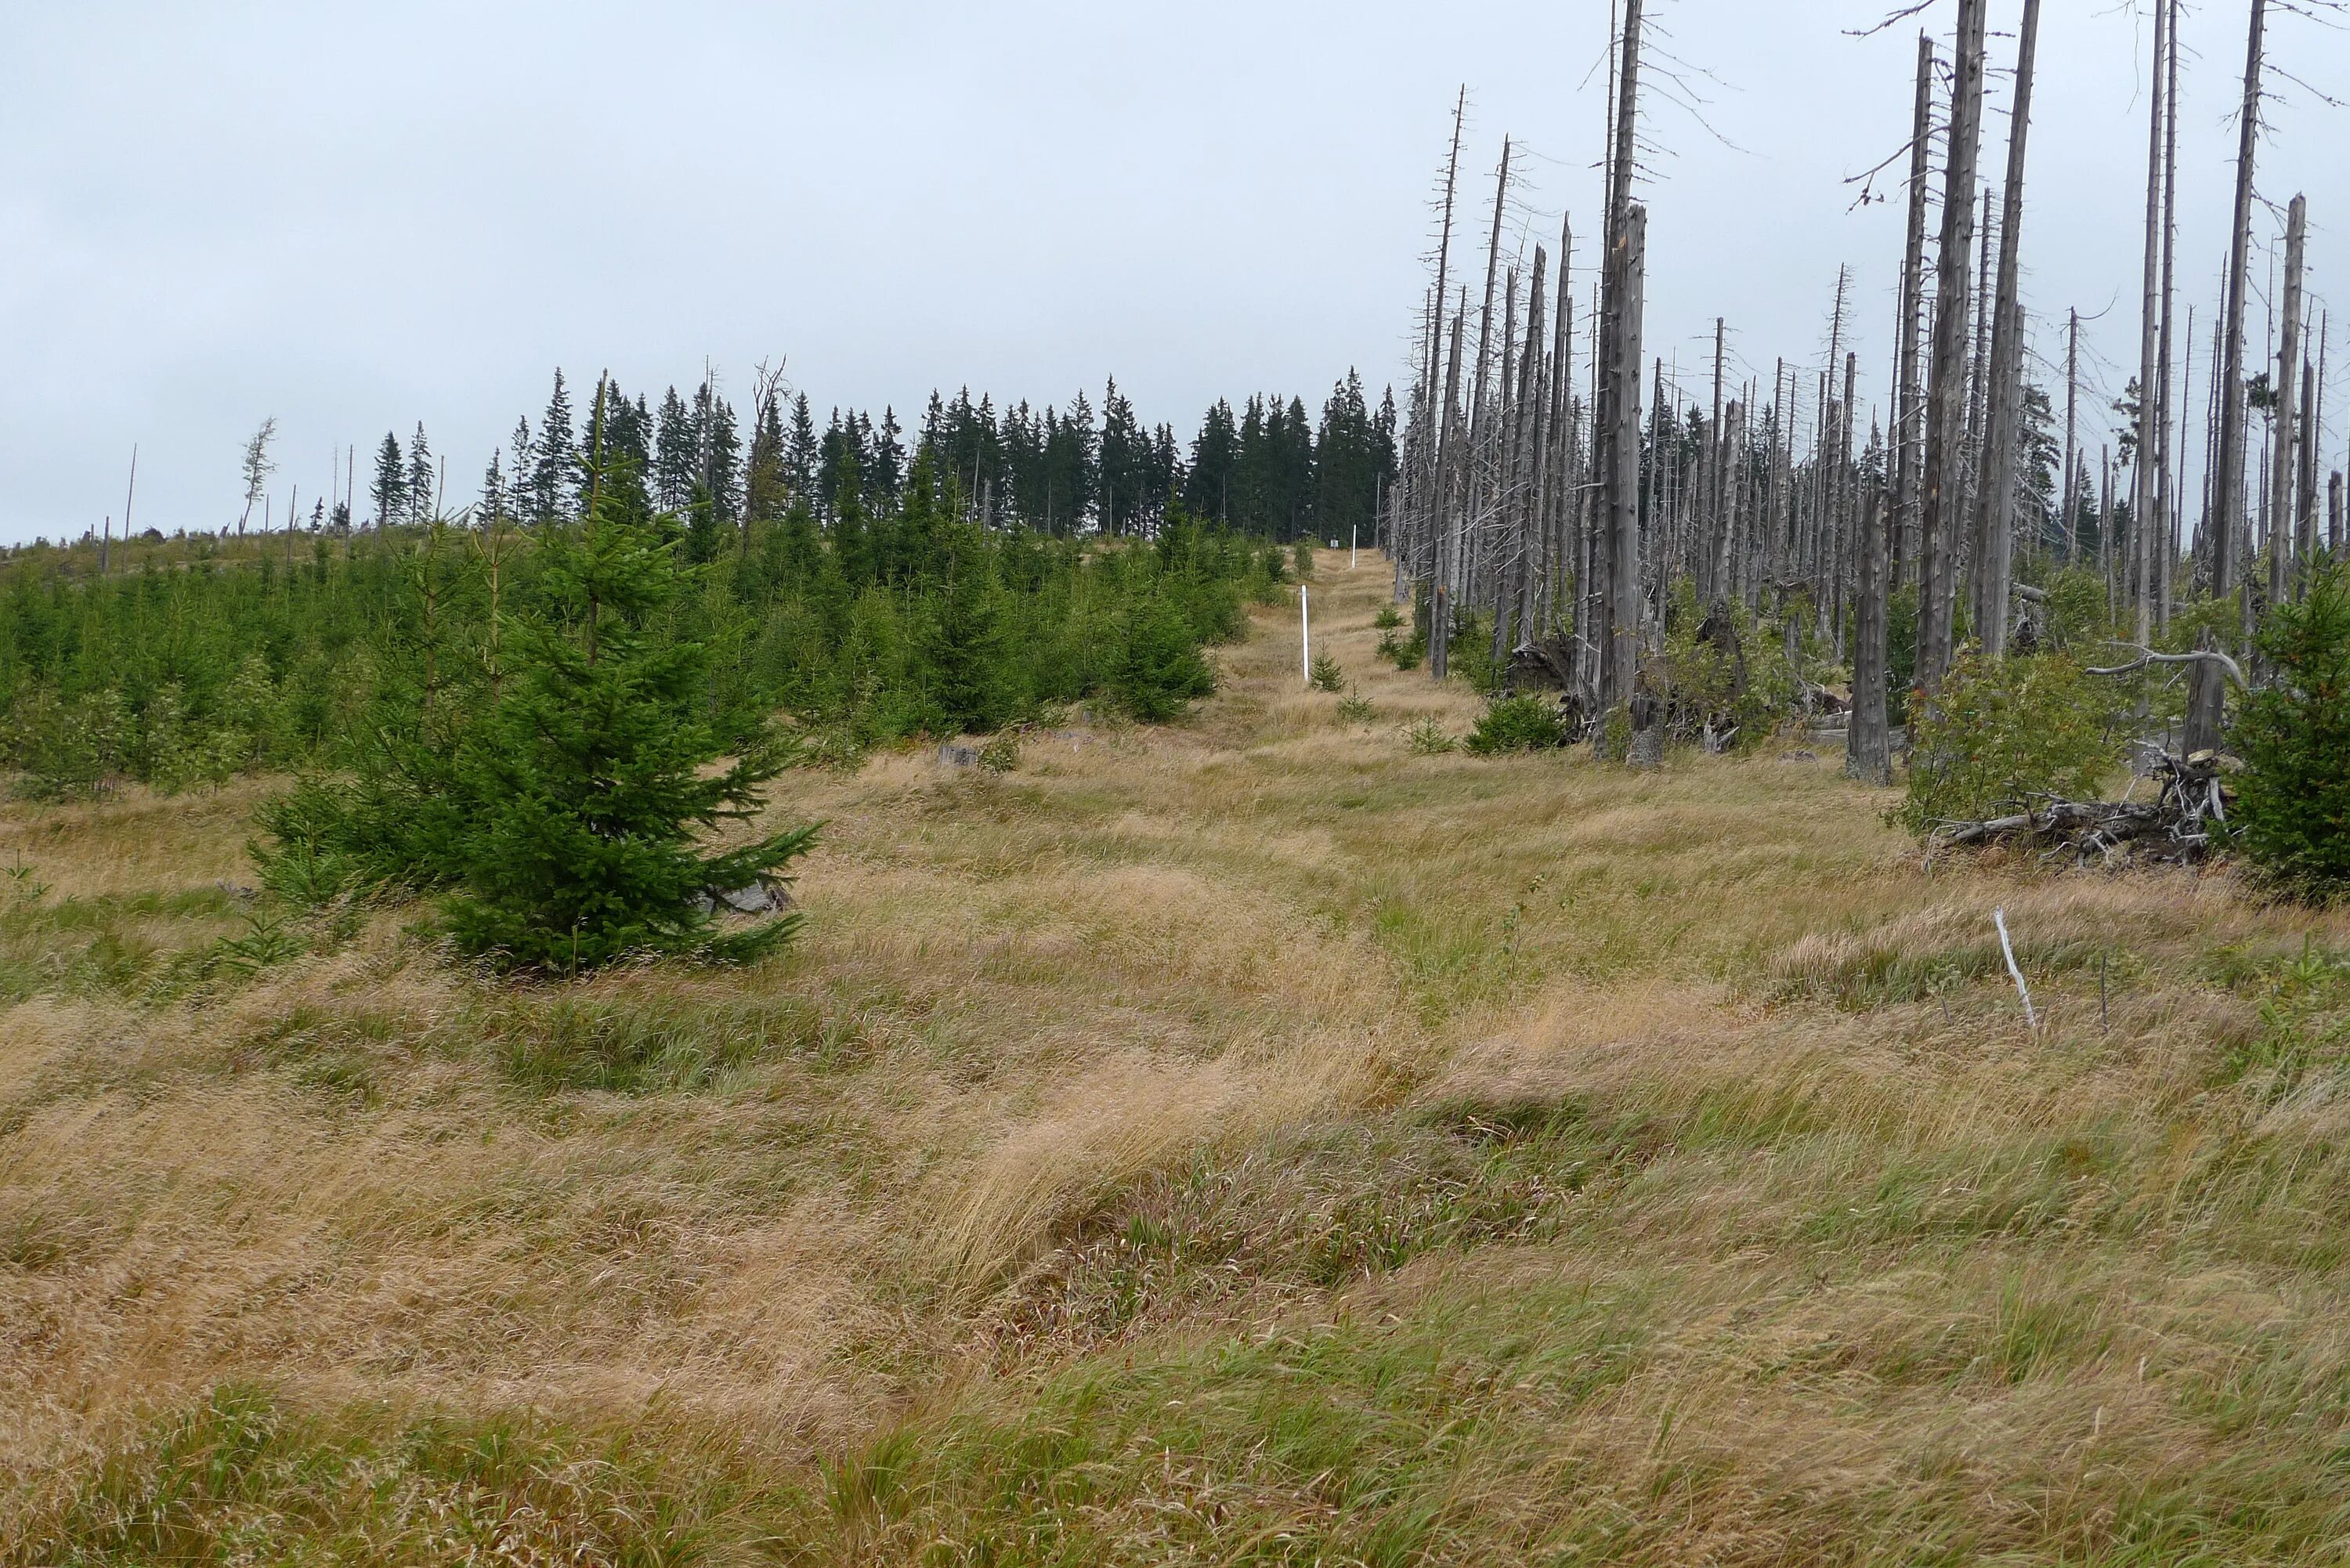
1560,471
1817,555
1534,444
1717,526
2072,399
1464,566
1840,558
2166,497
1617,633
1440,602
2142,490
1868,748
1427,487
2227,478
1621,662
1946,392
1996,501
1517,590
2312,403
1908,415
2283,464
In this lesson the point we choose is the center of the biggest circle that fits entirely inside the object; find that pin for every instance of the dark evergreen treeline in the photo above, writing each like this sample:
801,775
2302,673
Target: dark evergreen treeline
1271,470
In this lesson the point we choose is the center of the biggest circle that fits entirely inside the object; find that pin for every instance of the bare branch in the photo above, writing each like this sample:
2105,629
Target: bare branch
1894,20
2147,655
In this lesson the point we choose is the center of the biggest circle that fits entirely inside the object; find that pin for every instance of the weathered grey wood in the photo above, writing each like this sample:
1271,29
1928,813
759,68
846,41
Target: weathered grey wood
1618,629
2106,522
1909,404
2143,490
2283,457
2312,416
1439,613
1813,562
1425,476
1560,471
2165,498
1622,650
1978,384
2004,395
2205,700
1839,587
2072,399
2228,477
1526,482
1716,464
1946,389
1479,473
1868,753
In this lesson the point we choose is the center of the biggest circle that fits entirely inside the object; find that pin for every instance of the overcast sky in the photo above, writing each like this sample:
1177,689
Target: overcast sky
357,218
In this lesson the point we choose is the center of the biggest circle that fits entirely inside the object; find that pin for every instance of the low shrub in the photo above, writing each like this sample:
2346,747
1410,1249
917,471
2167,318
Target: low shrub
1526,723
2000,733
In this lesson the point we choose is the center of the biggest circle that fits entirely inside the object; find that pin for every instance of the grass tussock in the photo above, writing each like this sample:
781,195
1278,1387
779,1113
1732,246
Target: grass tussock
1265,1139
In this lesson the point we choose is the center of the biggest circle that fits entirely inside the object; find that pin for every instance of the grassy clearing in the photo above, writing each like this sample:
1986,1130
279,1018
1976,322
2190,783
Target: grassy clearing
1250,1140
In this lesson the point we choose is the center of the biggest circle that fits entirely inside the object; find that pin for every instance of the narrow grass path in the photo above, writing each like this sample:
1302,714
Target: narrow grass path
1244,1140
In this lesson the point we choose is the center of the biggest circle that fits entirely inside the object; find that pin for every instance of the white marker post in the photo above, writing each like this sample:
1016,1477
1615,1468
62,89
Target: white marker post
2031,1019
1353,540
1305,637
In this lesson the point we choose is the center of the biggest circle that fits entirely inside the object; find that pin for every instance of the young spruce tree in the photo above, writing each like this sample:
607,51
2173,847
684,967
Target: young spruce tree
2293,812
587,778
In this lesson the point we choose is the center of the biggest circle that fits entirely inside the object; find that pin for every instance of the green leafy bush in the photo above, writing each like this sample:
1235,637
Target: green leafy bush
2000,733
1327,677
1724,668
2293,816
1389,618
1526,723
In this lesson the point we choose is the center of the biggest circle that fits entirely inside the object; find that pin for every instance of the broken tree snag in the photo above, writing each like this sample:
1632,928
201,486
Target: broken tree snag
2205,700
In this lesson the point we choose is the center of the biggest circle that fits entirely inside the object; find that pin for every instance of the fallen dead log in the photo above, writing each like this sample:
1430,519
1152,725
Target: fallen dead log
2173,829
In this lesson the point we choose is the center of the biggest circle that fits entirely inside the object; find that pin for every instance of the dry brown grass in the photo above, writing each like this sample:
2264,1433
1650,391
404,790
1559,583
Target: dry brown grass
1241,1140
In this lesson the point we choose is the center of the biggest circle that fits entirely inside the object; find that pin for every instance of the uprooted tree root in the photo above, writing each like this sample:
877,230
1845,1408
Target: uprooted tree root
2173,829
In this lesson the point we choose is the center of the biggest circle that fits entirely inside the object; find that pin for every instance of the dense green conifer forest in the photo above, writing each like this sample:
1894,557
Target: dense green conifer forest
863,594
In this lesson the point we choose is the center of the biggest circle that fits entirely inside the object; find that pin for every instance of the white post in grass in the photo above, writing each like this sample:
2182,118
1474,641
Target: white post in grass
1305,637
1353,542
2031,1019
